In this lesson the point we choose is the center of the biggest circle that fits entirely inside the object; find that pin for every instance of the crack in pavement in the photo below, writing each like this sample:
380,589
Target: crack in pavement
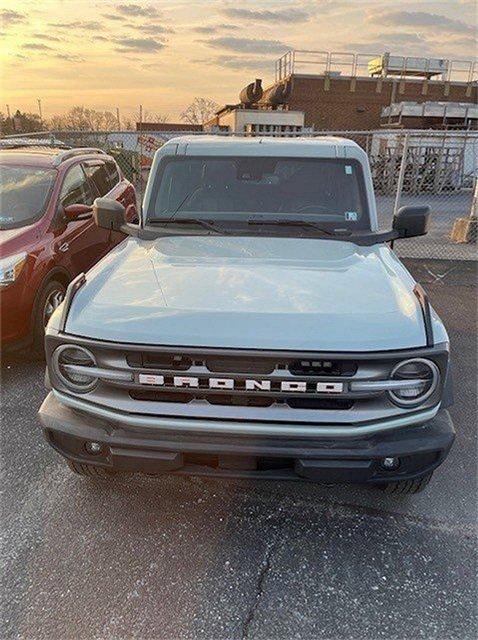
263,571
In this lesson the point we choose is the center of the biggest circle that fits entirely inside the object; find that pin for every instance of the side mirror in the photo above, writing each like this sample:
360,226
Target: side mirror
77,212
412,221
109,214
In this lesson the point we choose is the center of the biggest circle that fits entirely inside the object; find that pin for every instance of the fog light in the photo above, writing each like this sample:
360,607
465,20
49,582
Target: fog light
94,448
390,463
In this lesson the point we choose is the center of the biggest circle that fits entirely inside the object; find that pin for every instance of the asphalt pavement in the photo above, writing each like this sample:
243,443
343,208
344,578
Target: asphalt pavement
174,558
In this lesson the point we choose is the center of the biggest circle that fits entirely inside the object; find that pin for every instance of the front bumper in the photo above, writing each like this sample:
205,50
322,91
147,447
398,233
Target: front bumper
16,309
137,448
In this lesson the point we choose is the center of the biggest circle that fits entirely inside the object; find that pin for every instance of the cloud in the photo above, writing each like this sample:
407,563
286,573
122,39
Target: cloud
420,19
112,16
265,15
36,46
144,45
154,29
79,25
69,57
462,41
8,17
385,41
247,45
214,28
137,10
369,47
45,36
206,30
238,63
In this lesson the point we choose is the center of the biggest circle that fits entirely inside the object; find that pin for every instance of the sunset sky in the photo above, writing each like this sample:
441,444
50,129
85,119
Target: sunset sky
162,54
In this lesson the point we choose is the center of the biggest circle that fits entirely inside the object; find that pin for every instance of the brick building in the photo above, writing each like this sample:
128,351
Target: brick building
168,126
351,91
343,103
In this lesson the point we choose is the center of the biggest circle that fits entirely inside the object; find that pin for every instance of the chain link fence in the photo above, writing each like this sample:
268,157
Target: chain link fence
415,167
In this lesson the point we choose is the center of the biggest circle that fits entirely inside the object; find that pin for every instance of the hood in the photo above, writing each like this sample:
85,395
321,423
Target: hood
250,292
14,240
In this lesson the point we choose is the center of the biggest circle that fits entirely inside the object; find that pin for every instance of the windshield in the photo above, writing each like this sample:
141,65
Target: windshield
23,194
328,191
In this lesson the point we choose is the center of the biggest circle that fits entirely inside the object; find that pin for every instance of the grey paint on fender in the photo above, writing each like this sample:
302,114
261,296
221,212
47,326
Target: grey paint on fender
252,292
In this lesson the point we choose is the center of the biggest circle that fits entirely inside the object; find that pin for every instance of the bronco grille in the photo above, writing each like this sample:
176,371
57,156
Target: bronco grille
253,381
243,385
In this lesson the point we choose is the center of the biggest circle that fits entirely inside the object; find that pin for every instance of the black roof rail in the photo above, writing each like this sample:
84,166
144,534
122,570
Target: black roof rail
78,151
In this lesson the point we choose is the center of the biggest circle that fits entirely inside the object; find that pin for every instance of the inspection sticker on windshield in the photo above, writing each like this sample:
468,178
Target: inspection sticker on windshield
351,216
348,169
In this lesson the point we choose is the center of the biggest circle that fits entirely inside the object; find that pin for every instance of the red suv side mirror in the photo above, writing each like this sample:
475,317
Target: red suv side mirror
77,212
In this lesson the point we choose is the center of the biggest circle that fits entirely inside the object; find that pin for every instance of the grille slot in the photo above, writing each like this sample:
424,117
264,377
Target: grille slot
322,368
327,404
239,400
170,361
239,365
152,395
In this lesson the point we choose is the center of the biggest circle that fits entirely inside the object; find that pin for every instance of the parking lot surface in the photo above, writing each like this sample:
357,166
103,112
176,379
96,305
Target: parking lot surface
176,558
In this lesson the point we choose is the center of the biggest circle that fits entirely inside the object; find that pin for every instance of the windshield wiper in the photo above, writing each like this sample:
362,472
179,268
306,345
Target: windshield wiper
299,223
202,223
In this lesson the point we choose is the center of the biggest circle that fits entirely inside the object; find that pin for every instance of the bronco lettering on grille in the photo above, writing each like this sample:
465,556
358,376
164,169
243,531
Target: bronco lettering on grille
249,384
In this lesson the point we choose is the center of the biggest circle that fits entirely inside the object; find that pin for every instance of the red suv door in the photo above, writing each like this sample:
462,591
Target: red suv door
79,244
107,180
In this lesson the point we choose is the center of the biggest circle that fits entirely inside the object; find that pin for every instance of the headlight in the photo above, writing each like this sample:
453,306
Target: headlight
424,372
10,268
71,364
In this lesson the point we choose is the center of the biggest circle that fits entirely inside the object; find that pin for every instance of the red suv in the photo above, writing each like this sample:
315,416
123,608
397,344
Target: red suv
47,234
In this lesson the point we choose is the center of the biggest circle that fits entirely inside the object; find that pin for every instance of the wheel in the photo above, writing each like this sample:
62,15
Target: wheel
90,470
50,298
407,486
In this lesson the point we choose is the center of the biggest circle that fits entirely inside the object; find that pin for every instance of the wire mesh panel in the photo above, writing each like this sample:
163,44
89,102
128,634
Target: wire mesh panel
438,169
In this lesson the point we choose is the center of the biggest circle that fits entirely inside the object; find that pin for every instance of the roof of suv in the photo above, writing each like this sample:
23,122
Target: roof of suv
320,146
42,156
254,140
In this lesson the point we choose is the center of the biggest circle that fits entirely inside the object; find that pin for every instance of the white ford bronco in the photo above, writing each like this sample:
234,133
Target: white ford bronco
256,323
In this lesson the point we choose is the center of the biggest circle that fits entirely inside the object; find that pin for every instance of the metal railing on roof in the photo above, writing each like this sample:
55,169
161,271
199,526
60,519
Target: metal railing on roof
330,63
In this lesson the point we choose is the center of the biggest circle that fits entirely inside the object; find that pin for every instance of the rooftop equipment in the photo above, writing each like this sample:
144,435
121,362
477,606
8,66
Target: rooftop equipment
252,93
388,65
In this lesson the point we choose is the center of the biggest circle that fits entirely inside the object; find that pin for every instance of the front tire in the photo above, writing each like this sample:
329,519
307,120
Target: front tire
50,298
403,487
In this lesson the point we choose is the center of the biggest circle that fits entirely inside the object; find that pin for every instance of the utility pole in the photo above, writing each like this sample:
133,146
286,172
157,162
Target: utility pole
39,110
140,152
118,118
8,111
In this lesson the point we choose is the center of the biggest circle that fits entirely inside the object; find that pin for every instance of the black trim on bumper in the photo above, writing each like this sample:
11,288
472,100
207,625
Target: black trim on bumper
358,460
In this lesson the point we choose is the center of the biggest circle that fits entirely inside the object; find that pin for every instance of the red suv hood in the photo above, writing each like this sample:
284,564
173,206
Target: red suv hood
15,240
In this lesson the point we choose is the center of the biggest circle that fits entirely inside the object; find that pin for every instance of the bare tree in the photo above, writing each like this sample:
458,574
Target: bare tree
150,116
199,111
128,125
80,118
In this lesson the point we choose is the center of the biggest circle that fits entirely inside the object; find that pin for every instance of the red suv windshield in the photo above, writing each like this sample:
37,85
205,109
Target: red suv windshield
23,194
